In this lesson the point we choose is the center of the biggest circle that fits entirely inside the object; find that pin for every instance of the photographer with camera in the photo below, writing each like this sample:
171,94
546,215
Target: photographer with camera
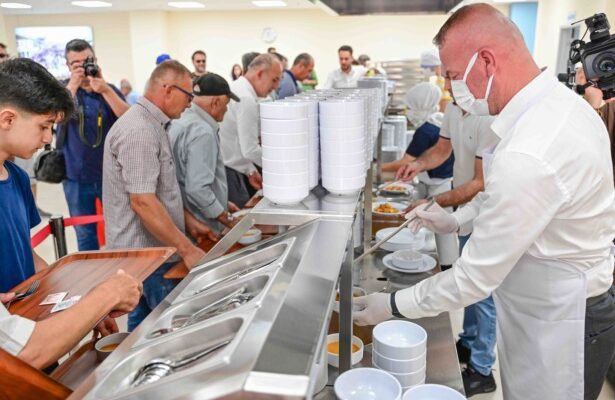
98,106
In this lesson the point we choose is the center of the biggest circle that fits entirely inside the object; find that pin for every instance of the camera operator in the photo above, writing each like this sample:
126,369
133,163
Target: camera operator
606,109
98,106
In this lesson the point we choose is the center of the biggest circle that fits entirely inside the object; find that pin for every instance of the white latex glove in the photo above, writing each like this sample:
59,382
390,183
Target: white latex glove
436,219
374,308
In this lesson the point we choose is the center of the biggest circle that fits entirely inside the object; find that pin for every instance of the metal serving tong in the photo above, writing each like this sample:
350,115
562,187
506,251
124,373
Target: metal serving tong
226,303
235,275
159,368
399,228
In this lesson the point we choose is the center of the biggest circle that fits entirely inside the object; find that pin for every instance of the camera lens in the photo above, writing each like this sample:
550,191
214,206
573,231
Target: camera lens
605,63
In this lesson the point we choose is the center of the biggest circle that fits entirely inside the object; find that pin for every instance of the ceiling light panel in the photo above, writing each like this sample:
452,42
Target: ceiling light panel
15,5
185,4
91,4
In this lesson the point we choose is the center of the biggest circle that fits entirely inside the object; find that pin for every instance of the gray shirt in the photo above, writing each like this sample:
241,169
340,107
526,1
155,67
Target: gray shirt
289,86
138,159
200,169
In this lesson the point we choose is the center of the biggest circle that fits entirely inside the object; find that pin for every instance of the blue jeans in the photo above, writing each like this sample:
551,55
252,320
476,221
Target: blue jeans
479,333
81,199
155,289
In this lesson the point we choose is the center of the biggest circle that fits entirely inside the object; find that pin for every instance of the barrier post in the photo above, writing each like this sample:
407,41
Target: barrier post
56,223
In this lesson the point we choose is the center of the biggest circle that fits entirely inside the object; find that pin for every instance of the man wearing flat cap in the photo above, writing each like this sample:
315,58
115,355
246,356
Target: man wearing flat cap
196,148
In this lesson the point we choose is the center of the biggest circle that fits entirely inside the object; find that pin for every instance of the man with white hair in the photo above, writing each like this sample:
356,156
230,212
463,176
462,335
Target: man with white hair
240,129
543,227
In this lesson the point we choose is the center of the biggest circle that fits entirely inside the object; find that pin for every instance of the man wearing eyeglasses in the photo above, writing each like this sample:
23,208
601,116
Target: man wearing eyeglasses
199,60
141,196
4,54
98,106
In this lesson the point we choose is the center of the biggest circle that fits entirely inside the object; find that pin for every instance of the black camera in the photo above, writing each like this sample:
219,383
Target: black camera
90,67
597,55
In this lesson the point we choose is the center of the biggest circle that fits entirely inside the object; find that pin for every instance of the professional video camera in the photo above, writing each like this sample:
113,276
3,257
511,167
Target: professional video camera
597,57
90,67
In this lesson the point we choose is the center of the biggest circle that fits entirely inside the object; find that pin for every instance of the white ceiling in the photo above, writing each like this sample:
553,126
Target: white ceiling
65,6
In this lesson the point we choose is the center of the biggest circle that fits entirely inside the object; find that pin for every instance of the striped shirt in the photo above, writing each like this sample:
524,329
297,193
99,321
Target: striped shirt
138,159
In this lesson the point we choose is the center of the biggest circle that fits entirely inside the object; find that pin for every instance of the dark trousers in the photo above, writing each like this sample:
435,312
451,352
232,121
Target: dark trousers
237,191
81,199
599,342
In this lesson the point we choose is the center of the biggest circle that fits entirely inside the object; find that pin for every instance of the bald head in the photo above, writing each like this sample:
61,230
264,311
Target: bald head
502,53
264,74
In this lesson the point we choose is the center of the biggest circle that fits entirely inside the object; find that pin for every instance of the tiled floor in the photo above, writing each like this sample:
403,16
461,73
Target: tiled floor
51,199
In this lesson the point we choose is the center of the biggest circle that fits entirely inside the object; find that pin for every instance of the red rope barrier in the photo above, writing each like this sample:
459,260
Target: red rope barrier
41,235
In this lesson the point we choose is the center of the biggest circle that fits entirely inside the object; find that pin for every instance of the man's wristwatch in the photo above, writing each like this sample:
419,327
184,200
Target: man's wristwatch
394,309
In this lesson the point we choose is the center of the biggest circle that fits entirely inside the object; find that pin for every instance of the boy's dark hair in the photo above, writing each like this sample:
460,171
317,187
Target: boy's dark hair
345,48
247,58
28,86
77,45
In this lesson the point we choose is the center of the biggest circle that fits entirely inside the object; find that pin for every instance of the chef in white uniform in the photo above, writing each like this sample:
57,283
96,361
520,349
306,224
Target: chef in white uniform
543,227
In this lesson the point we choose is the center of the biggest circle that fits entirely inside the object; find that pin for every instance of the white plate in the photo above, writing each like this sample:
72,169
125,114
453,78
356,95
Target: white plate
406,186
428,264
399,206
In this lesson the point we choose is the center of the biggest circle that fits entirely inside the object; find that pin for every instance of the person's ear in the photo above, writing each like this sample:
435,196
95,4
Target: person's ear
8,116
488,60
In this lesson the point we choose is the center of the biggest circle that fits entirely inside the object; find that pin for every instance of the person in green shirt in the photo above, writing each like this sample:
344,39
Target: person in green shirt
310,82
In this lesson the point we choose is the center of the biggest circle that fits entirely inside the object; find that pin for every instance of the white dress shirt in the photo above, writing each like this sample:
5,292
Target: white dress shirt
341,80
240,130
470,135
15,331
548,193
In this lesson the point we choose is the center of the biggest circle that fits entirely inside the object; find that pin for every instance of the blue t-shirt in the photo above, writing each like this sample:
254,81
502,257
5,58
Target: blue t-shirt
18,214
288,85
83,163
425,136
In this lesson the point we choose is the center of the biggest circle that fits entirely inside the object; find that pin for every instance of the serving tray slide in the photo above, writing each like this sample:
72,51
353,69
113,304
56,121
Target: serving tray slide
78,273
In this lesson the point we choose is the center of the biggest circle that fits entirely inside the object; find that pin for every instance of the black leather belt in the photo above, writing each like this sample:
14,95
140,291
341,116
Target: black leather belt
597,299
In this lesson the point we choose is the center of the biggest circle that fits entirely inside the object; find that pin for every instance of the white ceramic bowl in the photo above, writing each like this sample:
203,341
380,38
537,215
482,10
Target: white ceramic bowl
356,292
432,392
405,239
283,110
399,339
343,172
399,366
290,180
342,159
342,133
284,125
343,186
343,146
407,259
284,139
341,121
285,153
411,379
336,106
106,345
286,166
367,384
251,236
285,195
334,358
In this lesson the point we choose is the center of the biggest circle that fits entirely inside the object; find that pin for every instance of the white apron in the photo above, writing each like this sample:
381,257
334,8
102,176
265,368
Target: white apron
540,309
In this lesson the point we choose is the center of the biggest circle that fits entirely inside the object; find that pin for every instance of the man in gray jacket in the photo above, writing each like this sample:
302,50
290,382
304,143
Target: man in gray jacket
196,150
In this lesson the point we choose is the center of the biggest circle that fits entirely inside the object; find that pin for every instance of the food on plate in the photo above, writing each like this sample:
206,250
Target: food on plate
395,188
386,208
334,348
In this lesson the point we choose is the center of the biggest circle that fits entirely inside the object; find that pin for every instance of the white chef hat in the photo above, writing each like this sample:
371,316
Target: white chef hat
430,58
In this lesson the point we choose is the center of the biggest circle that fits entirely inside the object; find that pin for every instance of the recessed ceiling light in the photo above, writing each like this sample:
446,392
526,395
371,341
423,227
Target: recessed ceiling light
269,3
91,4
185,4
15,5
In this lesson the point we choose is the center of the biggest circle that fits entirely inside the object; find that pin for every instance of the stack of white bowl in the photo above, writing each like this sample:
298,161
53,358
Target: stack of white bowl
313,138
284,140
343,145
400,348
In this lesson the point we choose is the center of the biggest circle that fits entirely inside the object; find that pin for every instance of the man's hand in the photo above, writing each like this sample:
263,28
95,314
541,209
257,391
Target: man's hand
409,171
374,308
232,207
198,229
436,219
105,328
6,297
192,257
98,83
414,205
256,181
127,292
77,76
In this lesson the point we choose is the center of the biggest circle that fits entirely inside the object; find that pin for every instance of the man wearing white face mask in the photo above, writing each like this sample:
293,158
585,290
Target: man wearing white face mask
543,227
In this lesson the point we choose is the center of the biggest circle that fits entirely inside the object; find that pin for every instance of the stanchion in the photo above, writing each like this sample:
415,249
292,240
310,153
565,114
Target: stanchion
56,223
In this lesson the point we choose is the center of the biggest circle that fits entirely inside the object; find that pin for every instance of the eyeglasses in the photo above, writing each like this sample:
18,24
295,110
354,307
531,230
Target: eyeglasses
199,61
187,93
